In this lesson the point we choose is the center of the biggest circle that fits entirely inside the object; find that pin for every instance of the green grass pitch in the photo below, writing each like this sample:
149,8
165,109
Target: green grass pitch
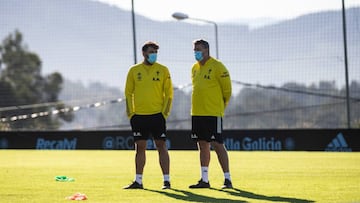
29,176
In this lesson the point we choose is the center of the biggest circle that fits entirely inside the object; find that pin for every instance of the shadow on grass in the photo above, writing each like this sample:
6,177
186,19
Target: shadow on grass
193,197
250,195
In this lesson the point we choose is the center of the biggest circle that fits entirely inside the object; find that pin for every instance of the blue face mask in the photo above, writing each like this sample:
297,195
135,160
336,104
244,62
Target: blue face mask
198,55
152,58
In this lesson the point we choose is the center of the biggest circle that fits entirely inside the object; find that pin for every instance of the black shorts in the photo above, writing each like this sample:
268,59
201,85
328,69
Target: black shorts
146,126
208,128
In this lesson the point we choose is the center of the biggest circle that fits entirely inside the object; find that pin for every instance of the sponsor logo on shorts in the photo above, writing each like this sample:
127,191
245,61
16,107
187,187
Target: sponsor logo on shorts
194,136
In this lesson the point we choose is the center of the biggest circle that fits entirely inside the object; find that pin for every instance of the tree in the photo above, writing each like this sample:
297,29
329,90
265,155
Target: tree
21,83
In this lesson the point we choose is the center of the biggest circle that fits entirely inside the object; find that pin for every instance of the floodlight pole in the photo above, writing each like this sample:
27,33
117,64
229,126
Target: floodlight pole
182,16
133,29
346,66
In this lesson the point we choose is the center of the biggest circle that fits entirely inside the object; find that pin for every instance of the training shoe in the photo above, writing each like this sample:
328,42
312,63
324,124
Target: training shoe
134,185
166,185
227,184
201,184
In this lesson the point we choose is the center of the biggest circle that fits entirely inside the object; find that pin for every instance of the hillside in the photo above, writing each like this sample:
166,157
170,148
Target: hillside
92,42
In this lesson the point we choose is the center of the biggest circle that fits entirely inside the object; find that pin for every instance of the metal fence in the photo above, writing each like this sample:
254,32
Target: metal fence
294,72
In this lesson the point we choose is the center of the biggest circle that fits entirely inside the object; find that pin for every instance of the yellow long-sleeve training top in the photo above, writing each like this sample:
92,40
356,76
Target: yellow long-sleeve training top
148,90
211,88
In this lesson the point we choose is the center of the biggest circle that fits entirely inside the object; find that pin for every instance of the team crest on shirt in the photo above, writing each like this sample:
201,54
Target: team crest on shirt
138,76
207,76
156,77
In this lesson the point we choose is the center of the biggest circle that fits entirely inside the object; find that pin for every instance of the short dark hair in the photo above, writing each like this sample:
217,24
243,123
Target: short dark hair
150,44
202,42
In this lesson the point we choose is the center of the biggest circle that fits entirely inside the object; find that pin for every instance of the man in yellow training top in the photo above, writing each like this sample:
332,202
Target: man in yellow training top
211,92
149,95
